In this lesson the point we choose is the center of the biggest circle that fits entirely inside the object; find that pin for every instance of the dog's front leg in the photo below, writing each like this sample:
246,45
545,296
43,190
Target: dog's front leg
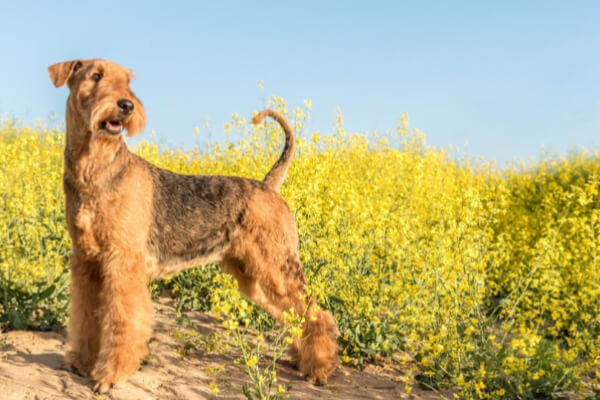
83,322
125,315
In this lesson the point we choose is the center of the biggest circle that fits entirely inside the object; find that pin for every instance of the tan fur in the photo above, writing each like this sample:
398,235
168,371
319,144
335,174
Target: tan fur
275,177
130,221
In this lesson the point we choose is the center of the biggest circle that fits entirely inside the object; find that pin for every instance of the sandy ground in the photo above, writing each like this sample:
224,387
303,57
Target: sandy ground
31,367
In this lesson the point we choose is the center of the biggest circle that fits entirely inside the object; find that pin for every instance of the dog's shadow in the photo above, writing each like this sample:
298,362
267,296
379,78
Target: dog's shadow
53,361
25,360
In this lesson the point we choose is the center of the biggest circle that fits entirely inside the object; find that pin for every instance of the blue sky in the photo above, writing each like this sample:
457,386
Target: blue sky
511,78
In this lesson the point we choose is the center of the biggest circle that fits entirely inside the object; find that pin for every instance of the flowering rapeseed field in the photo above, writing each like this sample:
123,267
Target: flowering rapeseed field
478,279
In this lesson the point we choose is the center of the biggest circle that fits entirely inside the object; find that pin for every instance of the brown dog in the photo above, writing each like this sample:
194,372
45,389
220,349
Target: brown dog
131,221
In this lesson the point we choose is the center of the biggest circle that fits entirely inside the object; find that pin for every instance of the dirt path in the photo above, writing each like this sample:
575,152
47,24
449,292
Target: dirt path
31,367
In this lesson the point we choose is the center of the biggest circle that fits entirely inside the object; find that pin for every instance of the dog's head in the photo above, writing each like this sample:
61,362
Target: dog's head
100,97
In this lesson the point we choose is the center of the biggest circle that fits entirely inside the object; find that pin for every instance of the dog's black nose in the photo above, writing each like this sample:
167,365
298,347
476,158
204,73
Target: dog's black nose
126,106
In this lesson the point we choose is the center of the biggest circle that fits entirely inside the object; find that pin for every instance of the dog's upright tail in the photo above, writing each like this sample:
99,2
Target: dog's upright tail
275,177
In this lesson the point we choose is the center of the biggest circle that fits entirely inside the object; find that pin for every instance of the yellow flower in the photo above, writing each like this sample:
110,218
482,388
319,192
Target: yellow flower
251,362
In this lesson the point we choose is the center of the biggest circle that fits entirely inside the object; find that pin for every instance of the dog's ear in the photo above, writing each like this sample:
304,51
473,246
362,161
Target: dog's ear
62,71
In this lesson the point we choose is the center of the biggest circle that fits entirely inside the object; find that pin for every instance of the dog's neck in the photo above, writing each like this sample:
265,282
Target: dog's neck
91,162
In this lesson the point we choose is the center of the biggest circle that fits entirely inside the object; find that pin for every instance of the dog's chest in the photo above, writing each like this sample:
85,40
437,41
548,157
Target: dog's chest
81,220
86,219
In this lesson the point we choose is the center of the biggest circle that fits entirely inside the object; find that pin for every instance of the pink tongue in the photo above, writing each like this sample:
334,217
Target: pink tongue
114,125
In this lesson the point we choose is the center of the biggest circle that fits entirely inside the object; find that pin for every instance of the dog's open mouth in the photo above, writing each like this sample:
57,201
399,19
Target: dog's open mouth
112,126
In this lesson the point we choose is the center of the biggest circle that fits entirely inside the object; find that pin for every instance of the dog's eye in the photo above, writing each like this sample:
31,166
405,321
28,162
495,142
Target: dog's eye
96,76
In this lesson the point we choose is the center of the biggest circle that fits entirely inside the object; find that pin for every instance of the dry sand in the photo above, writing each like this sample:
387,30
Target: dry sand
31,367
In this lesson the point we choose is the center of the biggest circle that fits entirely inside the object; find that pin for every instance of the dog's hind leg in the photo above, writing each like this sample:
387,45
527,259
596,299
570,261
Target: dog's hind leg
315,353
280,290
264,258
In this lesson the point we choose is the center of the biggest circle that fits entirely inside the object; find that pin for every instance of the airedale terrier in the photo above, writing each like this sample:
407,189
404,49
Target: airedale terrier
131,221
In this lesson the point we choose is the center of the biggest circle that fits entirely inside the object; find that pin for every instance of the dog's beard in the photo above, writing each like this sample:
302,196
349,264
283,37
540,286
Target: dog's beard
136,121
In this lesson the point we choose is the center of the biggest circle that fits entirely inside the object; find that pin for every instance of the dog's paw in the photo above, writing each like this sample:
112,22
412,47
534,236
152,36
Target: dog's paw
315,380
103,387
74,370
73,363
